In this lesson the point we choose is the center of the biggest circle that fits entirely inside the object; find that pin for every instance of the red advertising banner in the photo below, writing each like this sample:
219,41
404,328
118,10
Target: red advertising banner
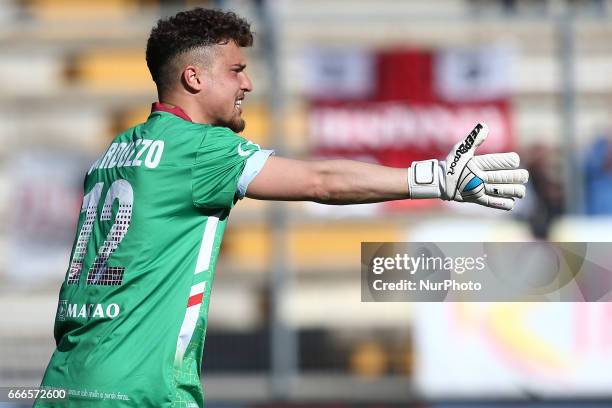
397,133
413,132
404,119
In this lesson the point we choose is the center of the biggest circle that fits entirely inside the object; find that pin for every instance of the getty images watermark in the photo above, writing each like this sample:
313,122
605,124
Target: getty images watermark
486,272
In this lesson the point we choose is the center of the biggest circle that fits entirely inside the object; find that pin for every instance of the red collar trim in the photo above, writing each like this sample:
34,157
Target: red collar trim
175,110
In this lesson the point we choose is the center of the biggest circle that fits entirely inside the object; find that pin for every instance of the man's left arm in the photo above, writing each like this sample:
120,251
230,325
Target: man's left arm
328,182
492,180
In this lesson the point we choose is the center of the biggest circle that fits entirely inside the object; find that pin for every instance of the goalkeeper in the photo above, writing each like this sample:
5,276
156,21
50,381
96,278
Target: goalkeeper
133,308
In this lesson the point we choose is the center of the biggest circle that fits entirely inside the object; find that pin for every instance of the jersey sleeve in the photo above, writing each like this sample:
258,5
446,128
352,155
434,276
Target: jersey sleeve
253,166
221,160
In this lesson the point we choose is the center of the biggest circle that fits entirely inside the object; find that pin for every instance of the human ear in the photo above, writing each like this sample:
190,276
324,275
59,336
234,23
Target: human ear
192,79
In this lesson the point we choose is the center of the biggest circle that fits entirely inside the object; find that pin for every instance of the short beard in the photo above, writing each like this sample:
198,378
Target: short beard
236,125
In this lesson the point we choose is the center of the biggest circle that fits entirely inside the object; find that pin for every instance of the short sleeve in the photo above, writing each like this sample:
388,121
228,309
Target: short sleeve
218,166
252,168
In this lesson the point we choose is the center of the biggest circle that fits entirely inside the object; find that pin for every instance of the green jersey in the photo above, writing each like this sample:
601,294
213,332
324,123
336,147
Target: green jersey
133,308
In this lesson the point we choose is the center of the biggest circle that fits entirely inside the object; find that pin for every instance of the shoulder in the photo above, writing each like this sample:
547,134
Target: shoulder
221,132
219,137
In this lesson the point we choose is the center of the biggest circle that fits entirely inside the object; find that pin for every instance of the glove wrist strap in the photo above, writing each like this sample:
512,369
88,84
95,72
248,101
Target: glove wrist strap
424,179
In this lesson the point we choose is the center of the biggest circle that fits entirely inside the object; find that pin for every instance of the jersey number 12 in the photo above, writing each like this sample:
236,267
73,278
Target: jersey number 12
100,273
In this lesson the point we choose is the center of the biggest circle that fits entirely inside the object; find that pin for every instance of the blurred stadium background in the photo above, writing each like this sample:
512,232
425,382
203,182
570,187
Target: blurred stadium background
384,81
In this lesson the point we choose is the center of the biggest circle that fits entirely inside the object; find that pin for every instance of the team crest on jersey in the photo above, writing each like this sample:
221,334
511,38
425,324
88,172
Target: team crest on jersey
247,152
62,306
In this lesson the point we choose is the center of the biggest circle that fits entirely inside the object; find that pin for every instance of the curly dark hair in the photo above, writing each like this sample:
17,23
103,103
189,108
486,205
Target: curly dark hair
187,31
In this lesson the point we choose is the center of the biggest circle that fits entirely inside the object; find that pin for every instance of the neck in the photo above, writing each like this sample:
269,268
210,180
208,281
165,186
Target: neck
187,105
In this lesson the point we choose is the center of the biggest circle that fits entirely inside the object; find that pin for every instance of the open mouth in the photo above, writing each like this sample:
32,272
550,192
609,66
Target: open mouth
238,105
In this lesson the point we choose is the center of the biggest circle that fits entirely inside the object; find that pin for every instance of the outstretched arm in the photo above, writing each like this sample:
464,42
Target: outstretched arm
492,180
328,182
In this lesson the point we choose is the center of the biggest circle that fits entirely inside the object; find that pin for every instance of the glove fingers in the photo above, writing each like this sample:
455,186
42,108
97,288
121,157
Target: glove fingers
482,134
499,161
496,202
505,190
506,176
464,149
492,180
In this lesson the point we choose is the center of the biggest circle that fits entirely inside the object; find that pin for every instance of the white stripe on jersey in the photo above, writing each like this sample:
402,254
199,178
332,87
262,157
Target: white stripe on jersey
197,289
202,264
208,240
189,323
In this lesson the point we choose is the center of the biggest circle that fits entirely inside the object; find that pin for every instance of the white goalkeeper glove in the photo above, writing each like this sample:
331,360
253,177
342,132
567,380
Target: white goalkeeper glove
492,180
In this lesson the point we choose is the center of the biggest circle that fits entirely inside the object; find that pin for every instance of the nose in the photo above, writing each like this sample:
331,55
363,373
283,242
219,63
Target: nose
245,84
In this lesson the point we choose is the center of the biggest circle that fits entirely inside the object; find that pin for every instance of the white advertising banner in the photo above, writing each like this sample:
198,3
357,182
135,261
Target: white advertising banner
338,73
474,74
45,193
477,350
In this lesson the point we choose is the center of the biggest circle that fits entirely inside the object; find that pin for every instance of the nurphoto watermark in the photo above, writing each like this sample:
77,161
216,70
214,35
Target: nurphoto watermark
486,272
